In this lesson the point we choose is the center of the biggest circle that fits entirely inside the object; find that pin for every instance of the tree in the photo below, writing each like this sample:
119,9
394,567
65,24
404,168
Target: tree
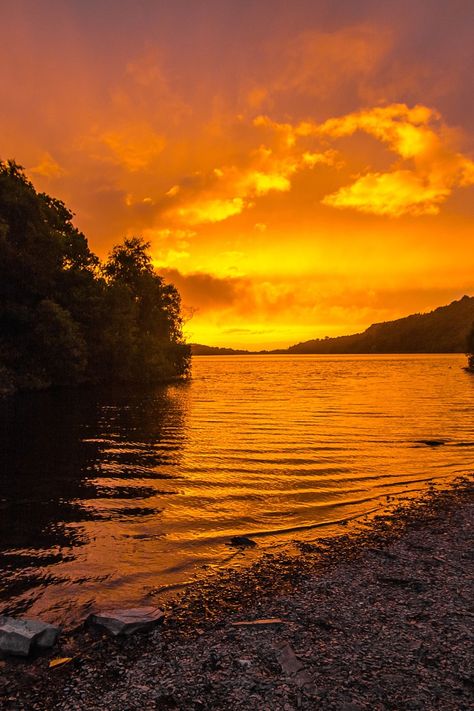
470,349
129,263
59,347
65,318
156,347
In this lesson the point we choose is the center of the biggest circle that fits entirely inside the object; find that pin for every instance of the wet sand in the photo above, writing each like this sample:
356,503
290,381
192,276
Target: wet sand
378,618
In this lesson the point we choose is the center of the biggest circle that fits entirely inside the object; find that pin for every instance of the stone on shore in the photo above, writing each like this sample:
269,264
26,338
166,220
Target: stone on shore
289,662
241,542
19,636
127,621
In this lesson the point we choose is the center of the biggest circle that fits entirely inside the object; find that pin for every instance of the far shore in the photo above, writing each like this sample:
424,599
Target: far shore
377,618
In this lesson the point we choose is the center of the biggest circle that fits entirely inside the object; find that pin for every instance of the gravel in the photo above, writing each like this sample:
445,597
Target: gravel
380,618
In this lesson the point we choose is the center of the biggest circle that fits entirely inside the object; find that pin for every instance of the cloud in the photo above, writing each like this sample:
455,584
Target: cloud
246,296
209,210
143,111
233,310
247,331
399,193
259,183
438,169
228,190
134,146
432,170
317,62
403,128
48,167
169,246
205,292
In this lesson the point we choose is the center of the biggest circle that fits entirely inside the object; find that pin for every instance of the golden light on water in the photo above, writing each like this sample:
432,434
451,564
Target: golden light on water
140,490
300,170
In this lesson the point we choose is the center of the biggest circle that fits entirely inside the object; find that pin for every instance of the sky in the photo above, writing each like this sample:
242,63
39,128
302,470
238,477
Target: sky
301,169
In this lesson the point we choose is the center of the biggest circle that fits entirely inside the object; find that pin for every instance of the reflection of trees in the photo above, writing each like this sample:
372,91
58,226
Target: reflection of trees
53,446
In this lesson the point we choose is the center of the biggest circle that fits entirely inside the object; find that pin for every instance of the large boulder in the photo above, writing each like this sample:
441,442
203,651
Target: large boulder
127,621
19,636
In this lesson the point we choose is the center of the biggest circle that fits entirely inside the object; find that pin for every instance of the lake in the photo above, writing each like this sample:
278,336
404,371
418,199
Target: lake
116,496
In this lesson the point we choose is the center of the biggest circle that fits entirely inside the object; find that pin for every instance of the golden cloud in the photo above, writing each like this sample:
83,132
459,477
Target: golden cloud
169,246
396,124
48,167
209,210
438,169
416,135
258,183
393,194
227,191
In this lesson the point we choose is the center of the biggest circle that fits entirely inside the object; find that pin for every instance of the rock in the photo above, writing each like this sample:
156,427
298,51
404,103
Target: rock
242,542
306,547
245,663
47,634
304,678
288,660
324,624
409,583
127,621
383,552
19,636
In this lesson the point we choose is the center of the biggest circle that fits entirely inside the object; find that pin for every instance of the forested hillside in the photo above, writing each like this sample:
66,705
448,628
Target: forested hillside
444,330
65,317
199,349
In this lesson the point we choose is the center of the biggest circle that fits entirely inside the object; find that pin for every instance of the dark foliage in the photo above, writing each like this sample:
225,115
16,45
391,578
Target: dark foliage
199,349
444,330
65,318
470,349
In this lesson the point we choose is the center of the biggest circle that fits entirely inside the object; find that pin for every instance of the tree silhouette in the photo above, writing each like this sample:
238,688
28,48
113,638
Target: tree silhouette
65,318
470,349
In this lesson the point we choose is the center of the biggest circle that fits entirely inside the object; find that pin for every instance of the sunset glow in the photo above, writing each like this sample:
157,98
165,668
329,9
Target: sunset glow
300,169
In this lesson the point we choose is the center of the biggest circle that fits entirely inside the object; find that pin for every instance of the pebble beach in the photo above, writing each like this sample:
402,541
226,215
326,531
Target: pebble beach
379,618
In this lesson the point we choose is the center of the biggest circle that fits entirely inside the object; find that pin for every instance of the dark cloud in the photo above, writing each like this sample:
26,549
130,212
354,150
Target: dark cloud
205,292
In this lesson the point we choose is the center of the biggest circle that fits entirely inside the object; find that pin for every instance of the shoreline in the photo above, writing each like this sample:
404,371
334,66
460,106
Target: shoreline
393,572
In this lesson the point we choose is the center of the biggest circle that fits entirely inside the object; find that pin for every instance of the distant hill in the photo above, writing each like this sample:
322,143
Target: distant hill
443,330
199,349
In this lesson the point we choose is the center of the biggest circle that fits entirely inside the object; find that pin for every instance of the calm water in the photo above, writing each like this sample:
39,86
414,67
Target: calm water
107,497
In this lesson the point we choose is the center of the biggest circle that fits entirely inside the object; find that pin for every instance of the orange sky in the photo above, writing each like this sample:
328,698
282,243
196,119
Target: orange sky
301,169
